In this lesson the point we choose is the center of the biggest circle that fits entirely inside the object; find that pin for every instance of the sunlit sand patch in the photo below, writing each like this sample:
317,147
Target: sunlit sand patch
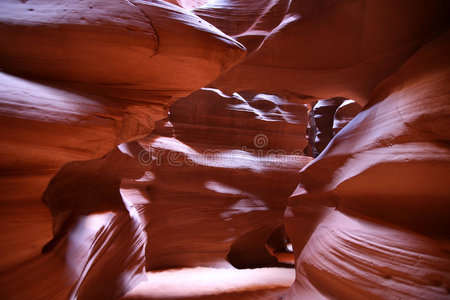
210,283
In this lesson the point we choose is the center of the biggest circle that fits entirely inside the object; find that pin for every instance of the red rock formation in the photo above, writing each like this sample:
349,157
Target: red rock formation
122,49
323,114
373,207
188,4
219,188
385,171
328,48
344,114
251,23
311,130
98,73
326,118
370,216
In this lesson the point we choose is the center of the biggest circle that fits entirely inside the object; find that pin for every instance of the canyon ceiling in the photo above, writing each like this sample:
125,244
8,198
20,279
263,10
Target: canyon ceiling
139,135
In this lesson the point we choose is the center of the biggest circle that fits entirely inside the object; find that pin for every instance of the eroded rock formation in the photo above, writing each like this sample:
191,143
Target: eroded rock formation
373,207
344,114
326,118
326,49
84,83
87,76
323,114
217,188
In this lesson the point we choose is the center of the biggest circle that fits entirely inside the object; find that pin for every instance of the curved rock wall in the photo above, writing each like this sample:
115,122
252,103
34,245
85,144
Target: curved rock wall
326,118
372,210
217,188
79,78
323,114
344,114
325,49
369,218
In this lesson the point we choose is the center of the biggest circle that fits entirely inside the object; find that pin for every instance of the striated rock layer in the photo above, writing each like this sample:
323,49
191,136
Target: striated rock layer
79,78
217,189
122,49
322,49
326,118
370,217
323,113
344,114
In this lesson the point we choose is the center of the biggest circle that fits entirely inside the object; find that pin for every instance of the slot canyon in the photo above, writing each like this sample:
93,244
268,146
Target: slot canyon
225,149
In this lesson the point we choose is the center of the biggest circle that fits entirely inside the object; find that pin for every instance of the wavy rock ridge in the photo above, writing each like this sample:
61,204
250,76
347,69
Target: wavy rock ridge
83,85
87,76
208,200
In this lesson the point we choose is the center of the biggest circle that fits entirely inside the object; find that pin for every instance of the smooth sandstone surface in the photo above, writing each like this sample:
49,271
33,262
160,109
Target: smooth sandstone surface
324,115
325,49
130,50
384,200
344,114
78,79
326,118
97,175
217,186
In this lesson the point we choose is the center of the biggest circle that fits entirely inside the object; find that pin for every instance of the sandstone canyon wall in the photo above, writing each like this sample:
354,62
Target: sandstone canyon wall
381,215
79,78
218,186
84,84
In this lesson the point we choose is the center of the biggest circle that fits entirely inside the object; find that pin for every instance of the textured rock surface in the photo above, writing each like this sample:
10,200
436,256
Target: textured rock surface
344,114
326,118
251,23
370,217
373,207
328,48
323,114
122,49
219,187
42,128
88,75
